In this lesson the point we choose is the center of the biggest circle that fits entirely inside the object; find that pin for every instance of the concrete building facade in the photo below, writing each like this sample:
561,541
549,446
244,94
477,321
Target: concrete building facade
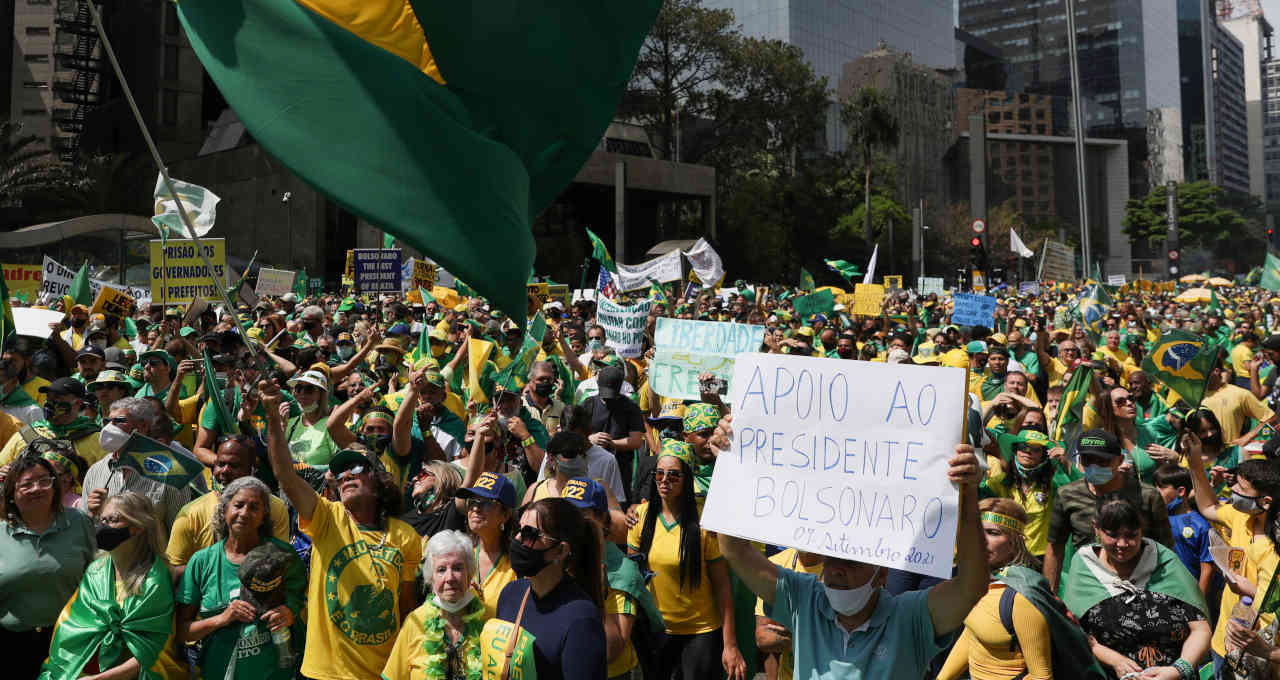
1271,131
1254,33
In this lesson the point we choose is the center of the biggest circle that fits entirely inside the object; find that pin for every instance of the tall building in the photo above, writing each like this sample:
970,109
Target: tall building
53,70
1271,131
1129,78
1214,127
1230,121
834,32
1254,33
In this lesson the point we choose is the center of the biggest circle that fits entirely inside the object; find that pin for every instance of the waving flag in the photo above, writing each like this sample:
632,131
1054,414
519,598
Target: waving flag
1066,426
600,253
200,203
449,125
806,280
606,284
844,268
1093,308
1182,361
159,463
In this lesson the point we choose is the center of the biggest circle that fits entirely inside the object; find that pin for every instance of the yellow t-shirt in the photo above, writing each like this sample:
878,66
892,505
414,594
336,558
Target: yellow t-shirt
1234,406
686,612
353,597
408,660
986,650
618,602
1037,503
1241,355
493,583
788,559
86,447
1250,554
193,527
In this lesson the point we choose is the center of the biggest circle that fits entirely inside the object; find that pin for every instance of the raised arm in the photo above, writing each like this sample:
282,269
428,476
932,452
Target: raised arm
950,601
341,371
1206,502
402,426
340,416
300,493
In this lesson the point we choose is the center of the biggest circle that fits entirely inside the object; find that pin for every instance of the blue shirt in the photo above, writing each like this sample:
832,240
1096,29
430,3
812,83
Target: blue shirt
568,630
1190,539
898,640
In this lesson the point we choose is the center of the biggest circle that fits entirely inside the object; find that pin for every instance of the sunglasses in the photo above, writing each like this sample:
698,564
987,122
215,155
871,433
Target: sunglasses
118,420
530,535
673,475
155,362
479,504
349,472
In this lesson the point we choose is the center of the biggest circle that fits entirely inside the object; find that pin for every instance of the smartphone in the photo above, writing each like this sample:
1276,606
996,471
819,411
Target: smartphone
715,385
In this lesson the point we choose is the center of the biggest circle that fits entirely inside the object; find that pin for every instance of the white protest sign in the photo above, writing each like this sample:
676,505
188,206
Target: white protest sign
683,349
274,282
662,269
34,322
1116,279
930,284
843,458
623,326
56,281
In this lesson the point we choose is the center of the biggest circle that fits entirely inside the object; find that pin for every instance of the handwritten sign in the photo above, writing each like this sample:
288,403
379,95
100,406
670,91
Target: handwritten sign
423,275
893,282
843,458
112,301
974,310
274,282
377,270
179,274
684,349
868,299
1029,287
1116,280
821,302
930,285
623,326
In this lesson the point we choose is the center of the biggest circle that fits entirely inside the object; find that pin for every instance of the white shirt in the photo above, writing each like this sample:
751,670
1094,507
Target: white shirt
602,466
27,414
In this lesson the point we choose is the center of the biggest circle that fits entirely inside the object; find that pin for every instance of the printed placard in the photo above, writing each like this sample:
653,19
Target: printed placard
623,325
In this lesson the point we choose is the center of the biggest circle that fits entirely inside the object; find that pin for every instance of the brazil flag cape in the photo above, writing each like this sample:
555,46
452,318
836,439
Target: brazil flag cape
623,574
1070,646
94,623
1158,570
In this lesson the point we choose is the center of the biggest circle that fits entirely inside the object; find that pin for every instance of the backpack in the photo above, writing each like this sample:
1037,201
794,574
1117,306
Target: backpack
1070,652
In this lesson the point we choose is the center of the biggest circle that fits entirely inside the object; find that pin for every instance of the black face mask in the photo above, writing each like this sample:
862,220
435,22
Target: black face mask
544,389
53,409
9,369
526,561
377,442
77,322
109,538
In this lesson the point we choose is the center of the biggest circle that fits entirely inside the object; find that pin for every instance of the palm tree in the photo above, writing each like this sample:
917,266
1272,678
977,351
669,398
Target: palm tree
872,125
27,167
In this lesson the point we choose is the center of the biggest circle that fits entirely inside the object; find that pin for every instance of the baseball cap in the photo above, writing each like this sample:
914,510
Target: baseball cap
671,410
289,297
587,494
1098,443
261,576
494,487
1272,343
347,458
115,358
976,347
314,378
91,350
609,381
159,354
110,377
64,386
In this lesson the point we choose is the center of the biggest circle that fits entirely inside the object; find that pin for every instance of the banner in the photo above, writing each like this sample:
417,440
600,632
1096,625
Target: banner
868,299
821,302
377,270
24,279
684,349
274,282
706,262
112,301
1057,263
422,275
843,458
1116,279
930,285
560,292
1029,287
974,310
623,326
55,281
179,274
636,276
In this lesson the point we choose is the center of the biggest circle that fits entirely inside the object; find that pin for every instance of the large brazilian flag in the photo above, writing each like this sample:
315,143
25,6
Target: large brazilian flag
450,125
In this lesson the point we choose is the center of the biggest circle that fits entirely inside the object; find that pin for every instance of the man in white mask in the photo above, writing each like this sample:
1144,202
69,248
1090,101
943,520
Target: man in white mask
107,477
847,625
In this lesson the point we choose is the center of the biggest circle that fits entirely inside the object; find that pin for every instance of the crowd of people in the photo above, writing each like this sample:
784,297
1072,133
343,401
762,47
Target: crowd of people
400,489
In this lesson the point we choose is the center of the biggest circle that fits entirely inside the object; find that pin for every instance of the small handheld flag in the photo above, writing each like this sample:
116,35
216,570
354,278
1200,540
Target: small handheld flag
159,463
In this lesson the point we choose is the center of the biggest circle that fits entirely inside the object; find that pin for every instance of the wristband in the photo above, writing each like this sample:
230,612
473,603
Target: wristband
1185,669
527,442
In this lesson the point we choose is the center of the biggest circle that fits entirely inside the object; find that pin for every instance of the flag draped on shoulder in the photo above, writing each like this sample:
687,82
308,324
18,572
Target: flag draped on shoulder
1182,361
448,125
1071,409
159,463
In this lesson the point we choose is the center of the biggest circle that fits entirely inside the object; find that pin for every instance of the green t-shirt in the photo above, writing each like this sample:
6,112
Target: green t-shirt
211,581
310,444
209,418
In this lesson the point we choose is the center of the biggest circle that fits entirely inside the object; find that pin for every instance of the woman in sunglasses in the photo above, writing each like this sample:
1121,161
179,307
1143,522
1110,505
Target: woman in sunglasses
307,432
559,597
1118,414
691,582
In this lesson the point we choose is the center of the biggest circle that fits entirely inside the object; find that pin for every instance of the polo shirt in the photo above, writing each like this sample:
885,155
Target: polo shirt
898,641
40,572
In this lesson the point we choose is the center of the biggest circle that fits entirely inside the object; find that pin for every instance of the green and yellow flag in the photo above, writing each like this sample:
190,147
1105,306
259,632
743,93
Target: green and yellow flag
657,294
80,290
448,125
159,463
846,269
1071,409
806,280
224,422
1270,278
600,253
1093,308
1182,361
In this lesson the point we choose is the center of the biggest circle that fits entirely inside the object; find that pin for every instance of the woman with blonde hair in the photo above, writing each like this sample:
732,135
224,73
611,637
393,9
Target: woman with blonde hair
1017,626
119,620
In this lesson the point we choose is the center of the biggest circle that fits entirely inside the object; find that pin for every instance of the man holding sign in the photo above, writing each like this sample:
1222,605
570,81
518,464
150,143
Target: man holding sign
847,625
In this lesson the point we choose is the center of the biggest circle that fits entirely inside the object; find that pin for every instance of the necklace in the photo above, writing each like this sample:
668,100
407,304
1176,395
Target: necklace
447,660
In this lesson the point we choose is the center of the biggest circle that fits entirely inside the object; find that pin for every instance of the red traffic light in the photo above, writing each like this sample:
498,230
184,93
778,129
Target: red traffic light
975,242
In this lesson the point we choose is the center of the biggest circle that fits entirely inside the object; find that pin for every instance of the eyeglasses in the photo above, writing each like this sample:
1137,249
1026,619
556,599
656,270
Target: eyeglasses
118,420
155,362
351,471
305,389
43,484
673,475
479,504
529,535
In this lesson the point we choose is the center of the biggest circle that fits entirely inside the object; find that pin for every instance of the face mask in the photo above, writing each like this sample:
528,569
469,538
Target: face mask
9,369
426,500
311,408
346,351
1098,475
1245,504
77,323
454,607
377,442
572,467
100,343
110,538
112,438
526,561
848,602
53,409
544,389
1173,505
1028,470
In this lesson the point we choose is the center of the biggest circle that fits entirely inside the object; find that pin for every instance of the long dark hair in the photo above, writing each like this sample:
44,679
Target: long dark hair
23,463
690,531
561,519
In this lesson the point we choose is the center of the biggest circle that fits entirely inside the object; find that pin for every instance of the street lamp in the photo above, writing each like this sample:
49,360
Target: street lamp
289,207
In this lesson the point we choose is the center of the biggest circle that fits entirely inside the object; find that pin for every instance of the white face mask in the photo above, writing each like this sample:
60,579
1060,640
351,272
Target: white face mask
848,602
112,438
454,607
311,408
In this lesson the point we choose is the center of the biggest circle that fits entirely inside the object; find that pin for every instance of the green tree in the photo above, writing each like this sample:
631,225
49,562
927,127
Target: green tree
1205,216
872,126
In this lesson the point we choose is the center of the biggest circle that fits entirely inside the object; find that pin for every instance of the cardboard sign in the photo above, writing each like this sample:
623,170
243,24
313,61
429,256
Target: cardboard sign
112,301
930,285
974,310
979,282
868,299
684,349
274,282
377,270
843,458
423,275
33,322
179,274
893,282
821,302
623,326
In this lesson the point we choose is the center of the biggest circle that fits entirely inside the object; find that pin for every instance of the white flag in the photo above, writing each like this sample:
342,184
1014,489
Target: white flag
870,276
1017,246
200,203
706,262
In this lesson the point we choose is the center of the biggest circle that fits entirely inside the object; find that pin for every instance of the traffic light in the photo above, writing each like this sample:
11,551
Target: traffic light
977,254
1271,238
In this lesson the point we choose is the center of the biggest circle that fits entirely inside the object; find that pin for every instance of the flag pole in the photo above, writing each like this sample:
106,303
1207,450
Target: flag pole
219,282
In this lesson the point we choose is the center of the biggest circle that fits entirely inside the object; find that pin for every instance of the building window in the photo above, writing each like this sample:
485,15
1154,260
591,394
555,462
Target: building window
36,58
169,107
37,30
170,62
39,2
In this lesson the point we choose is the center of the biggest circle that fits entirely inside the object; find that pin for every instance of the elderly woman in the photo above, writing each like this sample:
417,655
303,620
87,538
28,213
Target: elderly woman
44,549
117,622
208,606
1139,605
441,639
